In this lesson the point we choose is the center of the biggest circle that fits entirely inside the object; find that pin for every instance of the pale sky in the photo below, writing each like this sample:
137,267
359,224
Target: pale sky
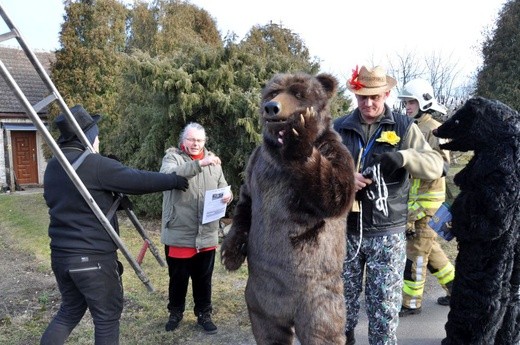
340,33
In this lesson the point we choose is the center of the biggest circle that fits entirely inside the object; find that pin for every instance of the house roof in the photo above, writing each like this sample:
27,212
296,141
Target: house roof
25,75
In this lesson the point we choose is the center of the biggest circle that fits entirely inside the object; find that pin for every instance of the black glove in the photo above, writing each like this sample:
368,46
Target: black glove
390,162
181,182
125,203
410,234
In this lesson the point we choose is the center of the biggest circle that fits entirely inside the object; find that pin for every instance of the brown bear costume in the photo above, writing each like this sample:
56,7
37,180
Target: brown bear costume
290,218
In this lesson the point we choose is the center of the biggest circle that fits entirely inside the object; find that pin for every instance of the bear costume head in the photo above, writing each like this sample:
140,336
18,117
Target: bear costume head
294,99
480,124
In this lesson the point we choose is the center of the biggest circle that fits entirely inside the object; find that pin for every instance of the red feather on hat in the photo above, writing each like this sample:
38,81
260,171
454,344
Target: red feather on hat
354,83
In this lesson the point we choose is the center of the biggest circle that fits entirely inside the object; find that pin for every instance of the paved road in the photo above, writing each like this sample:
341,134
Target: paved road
426,328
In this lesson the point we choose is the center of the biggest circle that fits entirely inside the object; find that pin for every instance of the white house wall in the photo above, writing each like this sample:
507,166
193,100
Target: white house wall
3,179
42,162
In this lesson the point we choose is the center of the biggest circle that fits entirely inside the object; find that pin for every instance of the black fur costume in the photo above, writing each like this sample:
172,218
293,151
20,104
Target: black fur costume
485,303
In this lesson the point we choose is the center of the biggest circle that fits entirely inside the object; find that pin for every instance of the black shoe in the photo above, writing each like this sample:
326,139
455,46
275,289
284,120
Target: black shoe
173,321
409,311
444,300
350,338
204,321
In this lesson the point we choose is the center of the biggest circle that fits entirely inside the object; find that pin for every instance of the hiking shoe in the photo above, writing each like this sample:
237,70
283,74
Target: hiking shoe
350,338
409,311
444,300
204,321
173,321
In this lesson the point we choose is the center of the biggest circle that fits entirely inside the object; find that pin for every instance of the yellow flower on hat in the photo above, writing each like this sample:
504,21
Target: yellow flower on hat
389,137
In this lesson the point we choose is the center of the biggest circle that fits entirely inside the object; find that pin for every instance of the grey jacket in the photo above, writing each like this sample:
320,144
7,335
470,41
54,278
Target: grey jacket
182,211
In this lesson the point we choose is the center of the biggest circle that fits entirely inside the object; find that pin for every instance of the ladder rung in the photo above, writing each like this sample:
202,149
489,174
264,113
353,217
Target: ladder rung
8,36
44,102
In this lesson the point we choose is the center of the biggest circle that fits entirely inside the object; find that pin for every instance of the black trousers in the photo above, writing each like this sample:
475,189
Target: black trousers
87,282
200,269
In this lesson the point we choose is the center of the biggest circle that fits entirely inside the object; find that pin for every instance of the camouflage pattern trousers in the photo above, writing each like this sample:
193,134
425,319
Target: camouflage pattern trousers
380,261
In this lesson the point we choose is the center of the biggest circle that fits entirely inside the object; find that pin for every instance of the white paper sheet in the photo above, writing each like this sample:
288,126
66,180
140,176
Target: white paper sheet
214,208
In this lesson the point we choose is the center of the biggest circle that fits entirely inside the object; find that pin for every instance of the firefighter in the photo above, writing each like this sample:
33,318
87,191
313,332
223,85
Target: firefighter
425,197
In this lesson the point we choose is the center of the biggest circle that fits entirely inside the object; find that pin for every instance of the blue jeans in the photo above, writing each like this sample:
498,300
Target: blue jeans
87,282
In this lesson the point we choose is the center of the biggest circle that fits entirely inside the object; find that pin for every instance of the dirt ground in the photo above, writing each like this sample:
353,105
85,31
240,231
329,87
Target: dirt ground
23,283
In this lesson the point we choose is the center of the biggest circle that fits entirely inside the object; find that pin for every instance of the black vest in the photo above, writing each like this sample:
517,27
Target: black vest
375,222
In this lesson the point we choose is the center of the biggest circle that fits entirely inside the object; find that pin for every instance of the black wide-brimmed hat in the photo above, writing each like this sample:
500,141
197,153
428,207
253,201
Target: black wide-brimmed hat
83,118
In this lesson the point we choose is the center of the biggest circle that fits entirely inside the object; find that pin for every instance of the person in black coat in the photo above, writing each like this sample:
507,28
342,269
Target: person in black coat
83,254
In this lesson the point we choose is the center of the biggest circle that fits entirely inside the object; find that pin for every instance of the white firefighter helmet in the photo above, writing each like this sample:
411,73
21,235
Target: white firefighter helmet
422,91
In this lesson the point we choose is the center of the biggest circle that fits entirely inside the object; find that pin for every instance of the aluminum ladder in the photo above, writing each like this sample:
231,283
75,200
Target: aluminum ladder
121,201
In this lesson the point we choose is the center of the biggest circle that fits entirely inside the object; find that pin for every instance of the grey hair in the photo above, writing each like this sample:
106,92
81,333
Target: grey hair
191,125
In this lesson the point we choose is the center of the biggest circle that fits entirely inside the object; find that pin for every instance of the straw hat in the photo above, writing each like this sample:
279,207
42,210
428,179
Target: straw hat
369,82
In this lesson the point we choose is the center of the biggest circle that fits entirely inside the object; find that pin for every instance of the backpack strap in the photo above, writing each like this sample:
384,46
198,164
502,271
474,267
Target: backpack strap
80,159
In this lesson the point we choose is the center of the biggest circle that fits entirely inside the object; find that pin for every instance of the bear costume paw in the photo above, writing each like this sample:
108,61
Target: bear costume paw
298,138
234,250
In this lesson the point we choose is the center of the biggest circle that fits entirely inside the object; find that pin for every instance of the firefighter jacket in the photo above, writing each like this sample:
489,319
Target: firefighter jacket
426,196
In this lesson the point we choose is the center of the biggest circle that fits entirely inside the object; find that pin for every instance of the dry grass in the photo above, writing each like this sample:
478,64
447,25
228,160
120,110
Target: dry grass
29,298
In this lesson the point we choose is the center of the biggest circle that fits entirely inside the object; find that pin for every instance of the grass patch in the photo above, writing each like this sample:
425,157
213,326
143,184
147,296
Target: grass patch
26,217
23,229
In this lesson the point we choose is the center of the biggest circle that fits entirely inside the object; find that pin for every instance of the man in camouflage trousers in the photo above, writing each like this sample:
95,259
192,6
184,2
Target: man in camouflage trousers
388,148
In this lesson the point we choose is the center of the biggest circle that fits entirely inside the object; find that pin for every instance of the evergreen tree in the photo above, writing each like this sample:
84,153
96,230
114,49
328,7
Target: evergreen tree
87,66
163,95
280,49
143,28
216,86
183,24
498,78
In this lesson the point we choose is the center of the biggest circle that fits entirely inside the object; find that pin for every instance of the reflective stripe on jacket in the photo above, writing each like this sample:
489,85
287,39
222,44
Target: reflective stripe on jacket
426,196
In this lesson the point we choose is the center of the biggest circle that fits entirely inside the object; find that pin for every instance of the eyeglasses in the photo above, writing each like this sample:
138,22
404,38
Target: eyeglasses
373,98
198,141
